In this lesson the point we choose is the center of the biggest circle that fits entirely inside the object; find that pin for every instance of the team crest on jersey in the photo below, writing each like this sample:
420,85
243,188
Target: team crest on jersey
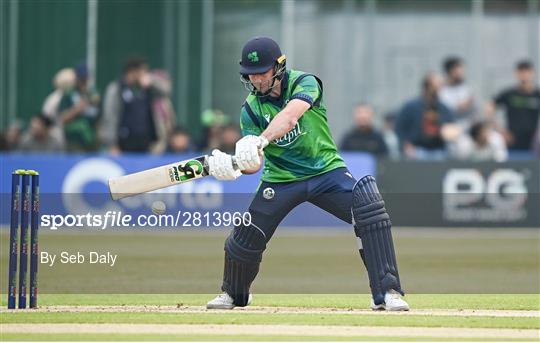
290,137
268,193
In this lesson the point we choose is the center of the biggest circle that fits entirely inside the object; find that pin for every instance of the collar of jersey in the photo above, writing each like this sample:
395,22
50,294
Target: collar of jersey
279,100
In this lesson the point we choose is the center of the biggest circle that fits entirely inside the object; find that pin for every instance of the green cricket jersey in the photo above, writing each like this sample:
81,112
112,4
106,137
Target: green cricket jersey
305,151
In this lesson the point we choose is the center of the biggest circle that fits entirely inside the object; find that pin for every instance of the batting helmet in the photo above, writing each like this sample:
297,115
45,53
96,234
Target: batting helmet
259,55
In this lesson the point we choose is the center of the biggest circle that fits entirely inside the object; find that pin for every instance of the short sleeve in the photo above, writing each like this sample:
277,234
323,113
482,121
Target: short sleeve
307,89
247,125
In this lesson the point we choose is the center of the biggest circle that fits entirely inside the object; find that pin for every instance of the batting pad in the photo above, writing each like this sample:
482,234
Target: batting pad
372,224
243,254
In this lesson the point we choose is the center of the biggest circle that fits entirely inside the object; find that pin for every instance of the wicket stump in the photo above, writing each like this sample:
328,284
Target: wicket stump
24,208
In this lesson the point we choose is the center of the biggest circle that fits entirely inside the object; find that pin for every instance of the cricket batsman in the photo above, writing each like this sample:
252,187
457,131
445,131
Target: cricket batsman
284,125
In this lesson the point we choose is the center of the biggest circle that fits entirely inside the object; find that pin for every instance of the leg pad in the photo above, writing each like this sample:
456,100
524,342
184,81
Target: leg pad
372,225
243,255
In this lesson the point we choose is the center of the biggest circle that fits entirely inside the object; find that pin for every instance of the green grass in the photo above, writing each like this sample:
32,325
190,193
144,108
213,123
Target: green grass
271,318
445,261
343,301
167,337
480,271
430,301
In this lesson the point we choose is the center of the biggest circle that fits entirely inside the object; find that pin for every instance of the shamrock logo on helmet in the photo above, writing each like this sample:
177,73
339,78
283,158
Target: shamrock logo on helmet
253,57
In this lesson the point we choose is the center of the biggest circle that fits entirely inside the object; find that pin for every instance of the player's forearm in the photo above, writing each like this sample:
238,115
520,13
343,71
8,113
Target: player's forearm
279,126
285,120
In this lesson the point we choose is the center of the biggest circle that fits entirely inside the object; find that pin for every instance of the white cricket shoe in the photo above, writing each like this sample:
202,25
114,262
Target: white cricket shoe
374,307
223,302
392,302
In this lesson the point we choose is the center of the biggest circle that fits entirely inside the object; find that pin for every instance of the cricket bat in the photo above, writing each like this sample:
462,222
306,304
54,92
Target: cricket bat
160,177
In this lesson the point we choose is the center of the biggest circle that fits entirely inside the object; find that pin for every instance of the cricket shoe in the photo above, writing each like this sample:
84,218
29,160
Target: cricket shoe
392,302
223,302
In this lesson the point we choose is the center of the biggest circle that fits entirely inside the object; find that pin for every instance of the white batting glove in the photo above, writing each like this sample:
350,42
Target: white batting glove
247,151
220,166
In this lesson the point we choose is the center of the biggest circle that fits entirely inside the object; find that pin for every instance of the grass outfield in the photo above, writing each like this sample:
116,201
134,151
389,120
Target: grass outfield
509,324
343,301
276,318
323,266
449,261
227,338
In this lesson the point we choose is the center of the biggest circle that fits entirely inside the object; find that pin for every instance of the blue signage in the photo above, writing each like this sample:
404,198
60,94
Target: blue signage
77,184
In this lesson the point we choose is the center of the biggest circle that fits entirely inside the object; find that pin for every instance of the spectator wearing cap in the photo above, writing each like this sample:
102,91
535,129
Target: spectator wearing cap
364,136
39,137
521,104
422,121
455,93
79,110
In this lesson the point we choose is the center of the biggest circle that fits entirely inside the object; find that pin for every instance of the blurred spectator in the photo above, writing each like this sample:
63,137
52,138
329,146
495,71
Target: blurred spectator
79,109
421,121
214,117
162,109
213,122
180,141
389,135
3,141
455,93
229,135
129,120
536,146
480,143
364,137
13,136
64,81
39,137
522,108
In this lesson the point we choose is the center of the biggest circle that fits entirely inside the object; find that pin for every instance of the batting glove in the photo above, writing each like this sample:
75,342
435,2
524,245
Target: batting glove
248,150
220,166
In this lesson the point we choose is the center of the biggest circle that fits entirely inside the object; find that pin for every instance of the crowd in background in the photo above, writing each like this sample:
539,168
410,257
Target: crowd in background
446,122
136,114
